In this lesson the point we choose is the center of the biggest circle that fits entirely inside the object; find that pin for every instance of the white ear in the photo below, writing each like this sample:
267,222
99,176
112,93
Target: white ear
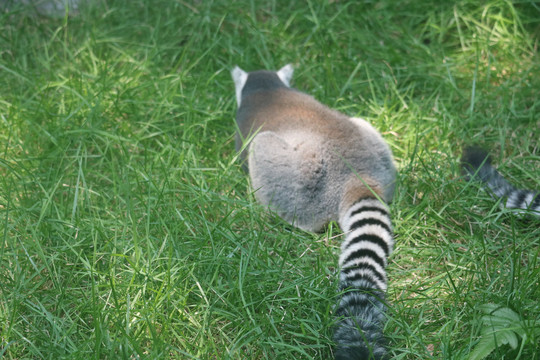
240,77
285,74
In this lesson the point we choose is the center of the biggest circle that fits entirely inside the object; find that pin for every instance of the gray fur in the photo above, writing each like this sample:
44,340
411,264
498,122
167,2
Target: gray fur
321,151
477,164
312,165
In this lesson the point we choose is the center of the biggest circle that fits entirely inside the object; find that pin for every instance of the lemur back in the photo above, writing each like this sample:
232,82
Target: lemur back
313,165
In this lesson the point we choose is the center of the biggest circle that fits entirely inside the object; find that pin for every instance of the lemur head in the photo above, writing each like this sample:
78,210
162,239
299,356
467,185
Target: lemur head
246,83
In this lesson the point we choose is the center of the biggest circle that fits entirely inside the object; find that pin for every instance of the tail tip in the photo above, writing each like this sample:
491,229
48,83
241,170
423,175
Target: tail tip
361,337
474,158
359,353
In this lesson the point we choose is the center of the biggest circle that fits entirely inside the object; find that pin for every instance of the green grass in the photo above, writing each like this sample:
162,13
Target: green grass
129,230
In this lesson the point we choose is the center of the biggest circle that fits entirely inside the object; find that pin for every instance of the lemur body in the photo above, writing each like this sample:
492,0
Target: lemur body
312,165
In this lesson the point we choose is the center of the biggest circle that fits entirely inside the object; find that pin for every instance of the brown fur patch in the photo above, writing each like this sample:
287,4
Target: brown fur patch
357,187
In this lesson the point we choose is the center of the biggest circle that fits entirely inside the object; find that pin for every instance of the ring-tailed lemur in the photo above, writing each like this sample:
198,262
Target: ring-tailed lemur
313,165
477,164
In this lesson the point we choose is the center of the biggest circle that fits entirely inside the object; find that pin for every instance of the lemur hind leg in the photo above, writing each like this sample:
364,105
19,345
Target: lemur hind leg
288,174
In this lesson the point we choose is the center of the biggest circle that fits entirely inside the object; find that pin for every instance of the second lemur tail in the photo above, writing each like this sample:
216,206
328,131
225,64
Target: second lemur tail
364,255
477,165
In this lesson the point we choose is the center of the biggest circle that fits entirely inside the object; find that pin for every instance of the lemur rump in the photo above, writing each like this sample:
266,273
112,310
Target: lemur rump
313,165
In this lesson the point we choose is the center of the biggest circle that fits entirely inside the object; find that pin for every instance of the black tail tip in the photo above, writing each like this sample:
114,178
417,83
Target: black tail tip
473,158
358,353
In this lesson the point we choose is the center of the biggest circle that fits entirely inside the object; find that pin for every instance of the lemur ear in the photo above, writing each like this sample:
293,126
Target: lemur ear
240,77
285,74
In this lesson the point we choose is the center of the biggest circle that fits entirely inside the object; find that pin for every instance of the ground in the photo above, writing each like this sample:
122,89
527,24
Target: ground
130,231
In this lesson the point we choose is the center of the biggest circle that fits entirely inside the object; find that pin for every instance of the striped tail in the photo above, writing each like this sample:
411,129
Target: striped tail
477,164
364,255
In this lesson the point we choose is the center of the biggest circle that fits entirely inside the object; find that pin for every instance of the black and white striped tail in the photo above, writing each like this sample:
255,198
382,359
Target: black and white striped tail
364,255
477,164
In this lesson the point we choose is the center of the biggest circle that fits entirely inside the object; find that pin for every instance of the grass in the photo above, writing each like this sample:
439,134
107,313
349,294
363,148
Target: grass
129,230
